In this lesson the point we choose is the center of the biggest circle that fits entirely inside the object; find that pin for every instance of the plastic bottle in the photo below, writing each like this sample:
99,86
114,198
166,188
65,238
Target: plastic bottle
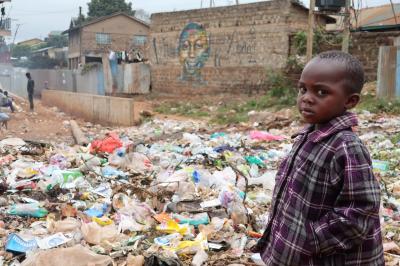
30,210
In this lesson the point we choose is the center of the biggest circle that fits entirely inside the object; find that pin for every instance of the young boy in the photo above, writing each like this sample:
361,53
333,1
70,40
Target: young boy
325,209
9,102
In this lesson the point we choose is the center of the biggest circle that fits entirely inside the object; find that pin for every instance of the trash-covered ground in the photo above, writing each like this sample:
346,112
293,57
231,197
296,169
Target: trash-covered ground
165,193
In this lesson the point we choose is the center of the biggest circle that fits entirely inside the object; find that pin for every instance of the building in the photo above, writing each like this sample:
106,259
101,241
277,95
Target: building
53,52
33,43
371,28
5,30
118,32
378,18
223,48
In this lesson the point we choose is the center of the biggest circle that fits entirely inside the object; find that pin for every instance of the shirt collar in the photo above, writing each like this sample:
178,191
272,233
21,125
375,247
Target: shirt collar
346,121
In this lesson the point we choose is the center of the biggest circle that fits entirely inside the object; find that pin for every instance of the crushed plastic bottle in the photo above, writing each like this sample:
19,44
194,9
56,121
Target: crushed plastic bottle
28,210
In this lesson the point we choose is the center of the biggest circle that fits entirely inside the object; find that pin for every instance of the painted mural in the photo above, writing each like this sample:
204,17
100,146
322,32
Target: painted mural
193,51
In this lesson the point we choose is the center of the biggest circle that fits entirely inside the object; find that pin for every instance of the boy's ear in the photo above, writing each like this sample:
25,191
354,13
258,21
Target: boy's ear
352,100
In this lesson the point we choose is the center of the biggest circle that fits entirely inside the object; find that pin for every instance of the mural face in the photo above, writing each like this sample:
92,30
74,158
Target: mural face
194,51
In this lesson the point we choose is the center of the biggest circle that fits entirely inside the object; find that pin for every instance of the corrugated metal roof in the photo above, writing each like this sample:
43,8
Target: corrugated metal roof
377,16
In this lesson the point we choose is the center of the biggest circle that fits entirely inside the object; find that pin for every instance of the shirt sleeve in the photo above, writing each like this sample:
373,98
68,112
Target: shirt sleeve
356,209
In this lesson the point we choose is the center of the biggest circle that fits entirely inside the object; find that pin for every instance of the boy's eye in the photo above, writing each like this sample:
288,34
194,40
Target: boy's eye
321,93
302,90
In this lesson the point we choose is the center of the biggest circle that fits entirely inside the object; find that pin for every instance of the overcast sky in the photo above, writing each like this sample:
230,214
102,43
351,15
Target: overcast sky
37,18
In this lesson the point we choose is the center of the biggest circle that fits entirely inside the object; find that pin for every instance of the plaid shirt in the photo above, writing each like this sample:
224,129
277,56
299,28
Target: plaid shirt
325,208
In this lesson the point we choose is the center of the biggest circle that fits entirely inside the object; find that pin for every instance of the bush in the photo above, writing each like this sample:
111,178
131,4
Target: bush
281,88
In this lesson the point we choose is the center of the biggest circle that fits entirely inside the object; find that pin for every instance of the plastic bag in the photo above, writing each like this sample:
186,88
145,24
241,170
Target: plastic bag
118,157
265,136
68,178
96,234
74,256
200,257
171,227
267,180
138,162
60,161
109,144
195,220
135,260
97,210
67,225
189,247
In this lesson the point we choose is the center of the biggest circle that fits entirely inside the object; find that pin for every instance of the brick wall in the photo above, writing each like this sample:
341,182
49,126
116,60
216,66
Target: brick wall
245,42
365,46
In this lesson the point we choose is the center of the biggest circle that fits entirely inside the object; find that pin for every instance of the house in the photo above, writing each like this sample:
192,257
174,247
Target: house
378,18
53,52
33,43
223,49
119,32
5,30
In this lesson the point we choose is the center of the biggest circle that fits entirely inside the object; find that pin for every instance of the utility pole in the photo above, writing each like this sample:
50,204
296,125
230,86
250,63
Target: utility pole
237,2
310,35
13,42
346,31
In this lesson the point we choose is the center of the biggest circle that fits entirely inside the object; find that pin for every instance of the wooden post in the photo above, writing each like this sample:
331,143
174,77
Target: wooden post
346,31
310,35
79,137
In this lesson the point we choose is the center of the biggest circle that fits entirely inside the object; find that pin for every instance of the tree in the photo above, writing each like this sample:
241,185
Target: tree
142,15
100,8
57,41
21,50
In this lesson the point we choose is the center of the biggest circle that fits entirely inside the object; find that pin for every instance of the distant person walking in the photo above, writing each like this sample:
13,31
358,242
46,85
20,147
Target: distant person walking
30,88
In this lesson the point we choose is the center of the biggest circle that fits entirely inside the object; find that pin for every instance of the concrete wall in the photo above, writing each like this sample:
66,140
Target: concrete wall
131,79
97,109
243,43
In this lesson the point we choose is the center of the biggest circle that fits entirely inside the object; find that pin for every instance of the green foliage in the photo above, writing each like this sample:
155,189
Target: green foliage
39,62
300,42
293,65
280,89
321,38
186,109
281,94
376,105
88,67
19,51
57,41
100,8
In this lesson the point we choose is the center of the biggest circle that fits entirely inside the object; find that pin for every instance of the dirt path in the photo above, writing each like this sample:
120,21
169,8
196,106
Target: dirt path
45,124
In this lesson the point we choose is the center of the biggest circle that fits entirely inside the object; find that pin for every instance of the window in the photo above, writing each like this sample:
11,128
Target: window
139,39
103,38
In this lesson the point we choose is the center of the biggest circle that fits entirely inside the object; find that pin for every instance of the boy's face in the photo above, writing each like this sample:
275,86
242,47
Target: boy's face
322,92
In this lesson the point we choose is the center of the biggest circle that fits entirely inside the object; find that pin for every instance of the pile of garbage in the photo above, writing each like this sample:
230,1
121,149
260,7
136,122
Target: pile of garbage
165,193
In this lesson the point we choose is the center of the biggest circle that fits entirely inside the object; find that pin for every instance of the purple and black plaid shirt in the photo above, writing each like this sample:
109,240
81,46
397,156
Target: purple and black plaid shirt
325,208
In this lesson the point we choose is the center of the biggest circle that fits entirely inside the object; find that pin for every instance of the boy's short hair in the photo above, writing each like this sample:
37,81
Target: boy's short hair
5,93
354,72
28,75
